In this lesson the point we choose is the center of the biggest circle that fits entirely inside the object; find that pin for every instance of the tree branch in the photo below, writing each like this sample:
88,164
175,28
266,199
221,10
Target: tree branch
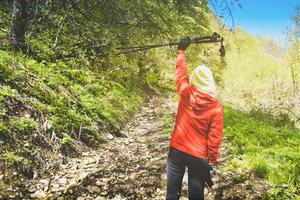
231,15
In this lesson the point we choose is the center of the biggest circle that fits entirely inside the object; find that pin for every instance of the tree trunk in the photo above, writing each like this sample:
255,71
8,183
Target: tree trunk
142,70
18,25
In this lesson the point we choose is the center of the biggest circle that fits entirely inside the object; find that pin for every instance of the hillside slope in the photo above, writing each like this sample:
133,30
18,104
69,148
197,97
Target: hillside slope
48,108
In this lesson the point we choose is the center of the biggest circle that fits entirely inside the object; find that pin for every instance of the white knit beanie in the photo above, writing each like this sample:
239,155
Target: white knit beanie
202,78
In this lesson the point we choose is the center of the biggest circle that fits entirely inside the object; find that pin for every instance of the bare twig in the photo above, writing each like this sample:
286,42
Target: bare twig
61,25
231,15
297,117
79,134
57,35
4,30
215,9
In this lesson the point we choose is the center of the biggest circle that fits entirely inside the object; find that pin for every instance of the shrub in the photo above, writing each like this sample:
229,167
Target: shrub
4,131
11,158
65,140
24,125
6,73
259,167
6,91
240,178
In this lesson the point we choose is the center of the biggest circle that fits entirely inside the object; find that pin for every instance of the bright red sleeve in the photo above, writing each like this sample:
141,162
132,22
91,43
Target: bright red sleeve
181,74
215,136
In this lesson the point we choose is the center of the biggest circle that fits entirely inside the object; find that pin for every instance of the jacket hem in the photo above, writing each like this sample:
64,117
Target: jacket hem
182,148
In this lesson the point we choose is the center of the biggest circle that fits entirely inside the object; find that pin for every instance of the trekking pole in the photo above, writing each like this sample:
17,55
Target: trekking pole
206,39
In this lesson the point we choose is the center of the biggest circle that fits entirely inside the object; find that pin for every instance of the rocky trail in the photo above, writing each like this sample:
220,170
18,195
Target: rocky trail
133,167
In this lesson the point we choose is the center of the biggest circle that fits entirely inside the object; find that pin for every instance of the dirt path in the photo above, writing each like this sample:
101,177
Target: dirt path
129,167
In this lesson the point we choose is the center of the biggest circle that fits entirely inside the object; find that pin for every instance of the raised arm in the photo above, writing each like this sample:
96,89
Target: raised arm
181,73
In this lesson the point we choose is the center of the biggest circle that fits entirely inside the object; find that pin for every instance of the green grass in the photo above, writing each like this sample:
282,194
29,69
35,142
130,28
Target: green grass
24,125
65,140
4,131
70,96
5,92
11,158
267,148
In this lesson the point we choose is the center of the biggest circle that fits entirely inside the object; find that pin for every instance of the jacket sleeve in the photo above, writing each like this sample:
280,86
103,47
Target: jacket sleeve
214,137
181,74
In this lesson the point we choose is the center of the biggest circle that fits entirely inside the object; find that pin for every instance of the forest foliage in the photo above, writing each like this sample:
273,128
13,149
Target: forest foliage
69,71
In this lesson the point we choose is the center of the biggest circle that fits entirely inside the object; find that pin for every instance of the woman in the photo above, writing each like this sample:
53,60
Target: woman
198,130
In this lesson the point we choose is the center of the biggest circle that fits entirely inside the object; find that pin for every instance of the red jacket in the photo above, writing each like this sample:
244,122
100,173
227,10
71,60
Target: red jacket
199,116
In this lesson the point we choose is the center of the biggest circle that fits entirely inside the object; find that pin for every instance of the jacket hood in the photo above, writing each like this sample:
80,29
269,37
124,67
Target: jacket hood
202,78
201,100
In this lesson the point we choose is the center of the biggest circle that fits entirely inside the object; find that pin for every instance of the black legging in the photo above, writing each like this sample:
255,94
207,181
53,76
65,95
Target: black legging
177,161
